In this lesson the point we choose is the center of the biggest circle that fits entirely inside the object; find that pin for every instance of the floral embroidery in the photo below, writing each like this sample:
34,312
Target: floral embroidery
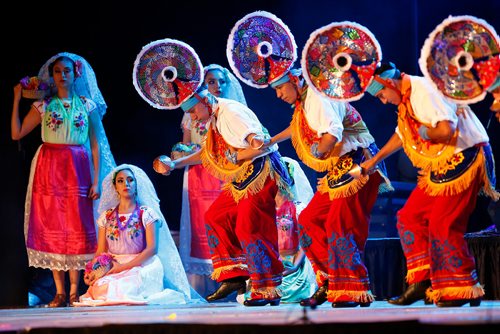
200,127
80,122
451,163
343,253
54,120
257,259
444,256
212,239
305,240
407,241
344,165
246,175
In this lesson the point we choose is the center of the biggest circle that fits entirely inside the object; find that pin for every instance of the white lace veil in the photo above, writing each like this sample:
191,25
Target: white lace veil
234,90
86,85
174,276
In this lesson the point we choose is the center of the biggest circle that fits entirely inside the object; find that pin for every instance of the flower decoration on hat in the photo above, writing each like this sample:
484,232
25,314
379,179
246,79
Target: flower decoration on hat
166,73
339,60
461,57
260,49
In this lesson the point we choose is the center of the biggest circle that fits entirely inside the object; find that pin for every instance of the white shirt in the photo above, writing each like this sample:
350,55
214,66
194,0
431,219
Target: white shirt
431,107
327,116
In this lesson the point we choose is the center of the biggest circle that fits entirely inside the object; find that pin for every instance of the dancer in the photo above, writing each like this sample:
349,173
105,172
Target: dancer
241,225
455,162
331,136
200,188
66,170
146,267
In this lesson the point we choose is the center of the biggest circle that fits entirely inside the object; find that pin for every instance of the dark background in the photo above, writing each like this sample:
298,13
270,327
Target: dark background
110,34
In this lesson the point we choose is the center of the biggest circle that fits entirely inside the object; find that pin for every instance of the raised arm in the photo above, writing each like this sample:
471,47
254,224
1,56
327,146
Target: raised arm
30,121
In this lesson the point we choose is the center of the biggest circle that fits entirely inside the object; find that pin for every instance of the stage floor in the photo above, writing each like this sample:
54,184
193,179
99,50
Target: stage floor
380,312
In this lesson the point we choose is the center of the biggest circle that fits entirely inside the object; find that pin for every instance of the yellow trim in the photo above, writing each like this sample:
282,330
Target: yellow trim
410,275
346,190
268,292
463,182
321,277
253,187
217,272
303,149
356,296
459,292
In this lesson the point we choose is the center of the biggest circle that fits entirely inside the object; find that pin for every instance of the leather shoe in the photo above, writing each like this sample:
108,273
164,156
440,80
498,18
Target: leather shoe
350,304
58,301
459,302
227,287
262,302
73,298
318,298
414,292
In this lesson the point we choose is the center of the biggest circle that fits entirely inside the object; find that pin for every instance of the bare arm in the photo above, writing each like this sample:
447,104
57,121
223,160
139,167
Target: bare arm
186,136
30,121
326,143
94,129
394,144
282,136
442,133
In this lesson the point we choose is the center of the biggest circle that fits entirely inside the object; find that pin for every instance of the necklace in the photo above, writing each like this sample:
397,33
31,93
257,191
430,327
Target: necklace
123,225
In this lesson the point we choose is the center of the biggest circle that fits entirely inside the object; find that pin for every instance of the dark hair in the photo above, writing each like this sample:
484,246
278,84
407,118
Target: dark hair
61,58
388,66
118,171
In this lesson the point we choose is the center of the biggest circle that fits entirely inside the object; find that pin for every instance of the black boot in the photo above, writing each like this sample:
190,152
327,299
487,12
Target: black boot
318,298
414,292
227,287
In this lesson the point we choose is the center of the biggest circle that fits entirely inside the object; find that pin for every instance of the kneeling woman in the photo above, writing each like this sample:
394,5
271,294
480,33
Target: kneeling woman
146,267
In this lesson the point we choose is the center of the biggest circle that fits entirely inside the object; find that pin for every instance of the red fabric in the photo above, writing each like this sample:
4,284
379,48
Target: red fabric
61,218
432,233
203,190
245,233
333,235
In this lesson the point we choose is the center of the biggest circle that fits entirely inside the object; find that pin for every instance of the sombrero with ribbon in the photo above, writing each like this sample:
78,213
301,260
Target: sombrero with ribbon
260,49
166,73
461,58
339,59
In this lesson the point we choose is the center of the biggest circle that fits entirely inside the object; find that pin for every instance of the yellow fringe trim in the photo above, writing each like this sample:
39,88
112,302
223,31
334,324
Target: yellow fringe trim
356,296
254,187
304,150
223,172
217,272
459,292
321,277
463,182
268,292
410,275
346,190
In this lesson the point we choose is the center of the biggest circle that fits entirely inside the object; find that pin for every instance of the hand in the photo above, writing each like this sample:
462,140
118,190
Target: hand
94,192
89,278
461,111
117,268
18,92
163,165
367,167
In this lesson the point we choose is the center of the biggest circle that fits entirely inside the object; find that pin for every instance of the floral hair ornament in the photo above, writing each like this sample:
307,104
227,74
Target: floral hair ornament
339,60
461,58
33,88
166,73
260,49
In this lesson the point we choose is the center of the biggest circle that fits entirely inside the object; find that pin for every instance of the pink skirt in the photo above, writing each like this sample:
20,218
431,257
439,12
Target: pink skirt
61,217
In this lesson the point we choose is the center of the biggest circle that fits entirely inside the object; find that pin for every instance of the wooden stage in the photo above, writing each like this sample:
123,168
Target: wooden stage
380,317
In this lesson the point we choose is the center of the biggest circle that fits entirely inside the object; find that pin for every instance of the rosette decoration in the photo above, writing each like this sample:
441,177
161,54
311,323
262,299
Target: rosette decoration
166,73
461,58
339,59
260,49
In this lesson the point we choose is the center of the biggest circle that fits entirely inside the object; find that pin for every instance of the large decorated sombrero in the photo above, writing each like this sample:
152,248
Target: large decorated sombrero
166,73
338,60
260,49
461,58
